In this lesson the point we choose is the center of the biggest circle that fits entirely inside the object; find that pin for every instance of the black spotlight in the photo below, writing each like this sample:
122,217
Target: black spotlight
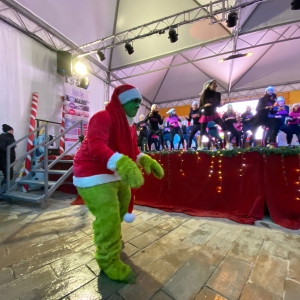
100,55
173,36
84,83
232,19
129,48
295,5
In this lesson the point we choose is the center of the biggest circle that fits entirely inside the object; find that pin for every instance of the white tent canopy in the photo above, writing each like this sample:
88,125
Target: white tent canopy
172,73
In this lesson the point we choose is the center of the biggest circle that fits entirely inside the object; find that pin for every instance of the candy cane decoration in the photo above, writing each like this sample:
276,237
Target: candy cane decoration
30,140
62,129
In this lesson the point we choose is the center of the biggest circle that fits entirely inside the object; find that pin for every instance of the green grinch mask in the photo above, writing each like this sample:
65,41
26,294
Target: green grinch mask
131,108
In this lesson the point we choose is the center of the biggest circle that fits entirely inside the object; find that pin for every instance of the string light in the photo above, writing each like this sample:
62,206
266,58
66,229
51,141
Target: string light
198,158
211,166
283,170
220,177
243,165
169,169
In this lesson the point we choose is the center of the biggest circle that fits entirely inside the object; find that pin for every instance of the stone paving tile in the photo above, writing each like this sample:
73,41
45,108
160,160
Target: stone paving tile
160,295
292,290
148,282
82,243
270,272
171,223
148,255
20,287
294,267
125,226
93,266
114,296
6,275
128,250
176,236
246,249
99,288
149,224
255,292
71,237
148,237
230,277
71,262
130,233
275,249
62,286
203,234
194,223
220,245
140,218
209,294
230,233
188,281
181,254
27,266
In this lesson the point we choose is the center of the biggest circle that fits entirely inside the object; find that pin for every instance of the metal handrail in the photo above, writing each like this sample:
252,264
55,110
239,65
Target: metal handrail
66,131
9,164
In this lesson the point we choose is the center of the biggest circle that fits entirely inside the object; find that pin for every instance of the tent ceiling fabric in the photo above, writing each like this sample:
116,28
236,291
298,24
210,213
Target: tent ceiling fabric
168,72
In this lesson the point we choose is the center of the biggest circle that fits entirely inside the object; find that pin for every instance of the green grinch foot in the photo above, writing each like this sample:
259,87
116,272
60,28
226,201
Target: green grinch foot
119,271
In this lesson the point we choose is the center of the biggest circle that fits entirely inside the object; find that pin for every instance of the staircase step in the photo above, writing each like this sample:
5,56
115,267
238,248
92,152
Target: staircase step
23,196
60,172
35,182
65,161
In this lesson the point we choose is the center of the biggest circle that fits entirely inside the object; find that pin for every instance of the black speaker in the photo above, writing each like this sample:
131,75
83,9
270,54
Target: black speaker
64,63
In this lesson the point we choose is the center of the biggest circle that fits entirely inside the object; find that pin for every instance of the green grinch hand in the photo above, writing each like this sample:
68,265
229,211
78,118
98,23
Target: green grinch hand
151,165
129,172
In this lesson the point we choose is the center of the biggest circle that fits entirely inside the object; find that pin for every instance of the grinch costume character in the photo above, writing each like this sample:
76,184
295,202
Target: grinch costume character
105,170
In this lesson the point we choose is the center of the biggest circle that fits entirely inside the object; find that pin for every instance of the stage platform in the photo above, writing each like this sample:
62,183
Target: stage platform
237,185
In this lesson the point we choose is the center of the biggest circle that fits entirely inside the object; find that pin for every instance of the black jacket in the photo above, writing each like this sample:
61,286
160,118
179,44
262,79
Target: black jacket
7,139
195,116
212,97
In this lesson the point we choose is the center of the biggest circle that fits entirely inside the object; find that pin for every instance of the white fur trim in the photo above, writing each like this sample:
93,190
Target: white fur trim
84,182
129,95
139,157
129,218
112,162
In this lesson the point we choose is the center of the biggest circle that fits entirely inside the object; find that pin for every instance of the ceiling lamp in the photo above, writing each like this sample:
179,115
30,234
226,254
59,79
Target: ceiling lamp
234,56
129,48
295,5
80,68
100,55
173,36
232,19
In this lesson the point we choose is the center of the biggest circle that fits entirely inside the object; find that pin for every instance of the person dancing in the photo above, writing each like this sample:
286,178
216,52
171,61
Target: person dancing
154,119
142,128
229,118
195,116
173,121
210,100
263,108
294,121
277,117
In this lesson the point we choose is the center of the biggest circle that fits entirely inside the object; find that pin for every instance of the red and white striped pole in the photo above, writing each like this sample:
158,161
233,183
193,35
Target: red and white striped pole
62,129
30,141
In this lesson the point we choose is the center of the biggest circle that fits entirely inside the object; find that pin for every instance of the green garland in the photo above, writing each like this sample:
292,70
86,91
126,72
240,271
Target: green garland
284,151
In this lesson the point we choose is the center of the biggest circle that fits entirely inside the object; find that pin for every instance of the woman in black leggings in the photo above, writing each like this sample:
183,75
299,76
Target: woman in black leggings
210,100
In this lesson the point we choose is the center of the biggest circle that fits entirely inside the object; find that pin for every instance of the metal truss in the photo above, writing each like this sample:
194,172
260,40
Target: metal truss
17,16
237,95
281,38
23,20
207,11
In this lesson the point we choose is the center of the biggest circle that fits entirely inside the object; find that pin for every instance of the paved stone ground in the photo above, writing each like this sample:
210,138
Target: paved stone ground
49,255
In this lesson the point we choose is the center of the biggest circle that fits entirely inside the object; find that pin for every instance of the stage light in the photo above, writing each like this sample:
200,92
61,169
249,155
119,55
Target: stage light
232,19
295,5
234,56
100,55
173,36
80,68
84,82
129,48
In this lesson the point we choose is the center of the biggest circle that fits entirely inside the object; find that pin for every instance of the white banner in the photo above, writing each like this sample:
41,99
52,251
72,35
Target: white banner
76,107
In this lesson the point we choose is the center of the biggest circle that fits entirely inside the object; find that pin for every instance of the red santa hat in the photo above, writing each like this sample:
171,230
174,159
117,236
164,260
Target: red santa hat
121,95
